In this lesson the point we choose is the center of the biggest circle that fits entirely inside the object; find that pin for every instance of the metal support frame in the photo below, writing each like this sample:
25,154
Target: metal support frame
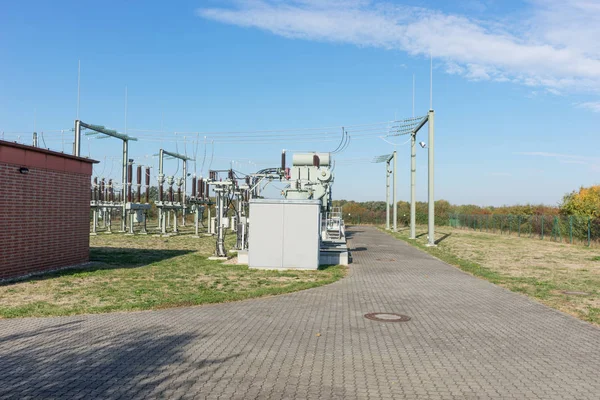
429,119
220,194
413,186
390,169
96,129
387,195
395,156
125,185
164,210
430,175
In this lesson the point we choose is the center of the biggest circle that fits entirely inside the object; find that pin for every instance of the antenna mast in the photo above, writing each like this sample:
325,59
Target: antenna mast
78,86
431,80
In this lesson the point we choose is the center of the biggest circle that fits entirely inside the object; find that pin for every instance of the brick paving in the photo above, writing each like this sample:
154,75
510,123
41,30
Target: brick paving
467,339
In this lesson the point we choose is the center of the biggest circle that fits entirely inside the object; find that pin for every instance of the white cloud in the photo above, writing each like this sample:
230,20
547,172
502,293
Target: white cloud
593,162
555,47
591,106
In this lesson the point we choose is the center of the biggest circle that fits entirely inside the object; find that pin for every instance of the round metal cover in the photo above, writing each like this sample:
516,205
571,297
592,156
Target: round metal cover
387,317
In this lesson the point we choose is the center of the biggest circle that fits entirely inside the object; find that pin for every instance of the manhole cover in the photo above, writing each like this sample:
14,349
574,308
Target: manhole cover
387,317
576,293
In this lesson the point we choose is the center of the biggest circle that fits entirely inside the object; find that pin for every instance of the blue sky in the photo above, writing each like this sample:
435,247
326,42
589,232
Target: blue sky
516,86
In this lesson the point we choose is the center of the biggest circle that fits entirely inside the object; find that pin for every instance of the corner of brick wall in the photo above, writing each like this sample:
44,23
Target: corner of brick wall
44,220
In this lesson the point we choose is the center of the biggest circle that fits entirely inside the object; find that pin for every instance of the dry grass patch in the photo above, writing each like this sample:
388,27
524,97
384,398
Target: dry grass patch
150,272
540,269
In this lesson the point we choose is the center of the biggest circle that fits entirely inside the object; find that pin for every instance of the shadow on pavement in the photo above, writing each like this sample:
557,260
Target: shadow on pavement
138,363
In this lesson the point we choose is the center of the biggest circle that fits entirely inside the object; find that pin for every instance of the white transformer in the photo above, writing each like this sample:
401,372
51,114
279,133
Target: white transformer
311,178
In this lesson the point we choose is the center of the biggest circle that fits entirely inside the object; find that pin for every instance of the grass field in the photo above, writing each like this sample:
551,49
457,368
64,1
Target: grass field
543,270
149,272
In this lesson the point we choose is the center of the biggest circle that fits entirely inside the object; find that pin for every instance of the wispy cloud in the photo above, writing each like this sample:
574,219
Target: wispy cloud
555,47
593,162
591,106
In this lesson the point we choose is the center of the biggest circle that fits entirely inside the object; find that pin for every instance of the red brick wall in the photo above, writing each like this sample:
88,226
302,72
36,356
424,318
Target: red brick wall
44,214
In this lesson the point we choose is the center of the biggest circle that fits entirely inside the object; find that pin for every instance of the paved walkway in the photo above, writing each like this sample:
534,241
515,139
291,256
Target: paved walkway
466,339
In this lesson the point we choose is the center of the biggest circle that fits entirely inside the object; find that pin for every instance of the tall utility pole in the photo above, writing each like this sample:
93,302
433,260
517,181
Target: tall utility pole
389,170
395,190
125,181
413,185
387,196
431,200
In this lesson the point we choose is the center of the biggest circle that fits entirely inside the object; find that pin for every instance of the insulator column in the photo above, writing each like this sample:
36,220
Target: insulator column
147,185
139,184
95,189
283,160
194,186
129,180
111,192
102,188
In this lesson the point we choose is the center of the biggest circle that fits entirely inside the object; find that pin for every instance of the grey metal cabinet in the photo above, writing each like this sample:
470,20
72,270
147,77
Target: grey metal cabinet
284,234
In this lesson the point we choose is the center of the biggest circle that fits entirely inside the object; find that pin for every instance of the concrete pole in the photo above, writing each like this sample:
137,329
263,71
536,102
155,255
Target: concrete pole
183,201
387,195
160,198
395,191
124,178
413,186
431,199
77,147
209,223
95,221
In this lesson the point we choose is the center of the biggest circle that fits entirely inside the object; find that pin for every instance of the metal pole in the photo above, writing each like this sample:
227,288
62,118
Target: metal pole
395,190
413,186
387,195
160,197
124,180
77,149
571,229
184,192
431,216
589,232
35,139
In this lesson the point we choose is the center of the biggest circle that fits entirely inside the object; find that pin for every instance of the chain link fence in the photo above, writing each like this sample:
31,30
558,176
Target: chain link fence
559,228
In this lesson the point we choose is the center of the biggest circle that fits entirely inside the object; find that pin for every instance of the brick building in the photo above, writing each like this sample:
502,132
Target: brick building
44,209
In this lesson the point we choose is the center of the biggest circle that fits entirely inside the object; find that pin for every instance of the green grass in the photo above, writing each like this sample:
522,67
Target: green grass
146,272
541,270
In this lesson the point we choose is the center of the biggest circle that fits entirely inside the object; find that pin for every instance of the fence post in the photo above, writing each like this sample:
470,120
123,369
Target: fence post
519,226
542,226
589,231
571,229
